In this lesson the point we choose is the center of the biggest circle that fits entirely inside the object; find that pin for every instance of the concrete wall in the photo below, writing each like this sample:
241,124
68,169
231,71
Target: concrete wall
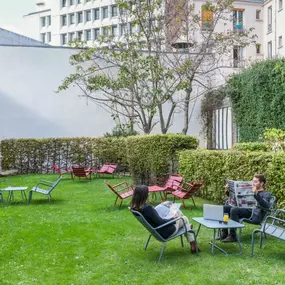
29,106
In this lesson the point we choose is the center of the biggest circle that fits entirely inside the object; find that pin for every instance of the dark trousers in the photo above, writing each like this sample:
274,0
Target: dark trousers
236,214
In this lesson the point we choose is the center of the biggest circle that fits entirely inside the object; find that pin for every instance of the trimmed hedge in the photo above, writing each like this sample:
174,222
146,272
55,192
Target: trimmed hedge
252,146
215,166
37,155
152,156
148,156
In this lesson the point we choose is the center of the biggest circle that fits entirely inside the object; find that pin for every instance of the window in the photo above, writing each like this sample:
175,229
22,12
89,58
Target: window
238,20
71,2
64,39
43,38
123,29
88,15
43,21
105,31
207,18
79,17
114,11
63,20
88,35
71,19
48,20
280,6
258,48
114,31
258,13
269,49
64,3
71,37
96,14
80,35
280,42
238,56
96,33
269,20
49,37
79,1
105,12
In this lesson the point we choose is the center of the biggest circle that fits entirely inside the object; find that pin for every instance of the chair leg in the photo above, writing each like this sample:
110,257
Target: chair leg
30,196
260,239
162,251
193,202
146,244
184,206
182,241
116,200
252,241
49,197
121,204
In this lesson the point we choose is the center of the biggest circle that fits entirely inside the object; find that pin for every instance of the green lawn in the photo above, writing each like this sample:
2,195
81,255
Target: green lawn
82,239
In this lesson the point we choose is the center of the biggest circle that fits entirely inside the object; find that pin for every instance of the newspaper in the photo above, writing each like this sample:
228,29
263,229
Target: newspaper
167,209
240,194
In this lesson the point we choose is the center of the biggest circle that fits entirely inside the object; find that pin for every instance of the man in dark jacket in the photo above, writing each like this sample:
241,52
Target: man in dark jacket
263,202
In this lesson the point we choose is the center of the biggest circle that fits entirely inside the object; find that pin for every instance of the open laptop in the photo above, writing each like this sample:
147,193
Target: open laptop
213,212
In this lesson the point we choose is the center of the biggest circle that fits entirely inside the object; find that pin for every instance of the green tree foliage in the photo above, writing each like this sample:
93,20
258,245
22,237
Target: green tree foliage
258,98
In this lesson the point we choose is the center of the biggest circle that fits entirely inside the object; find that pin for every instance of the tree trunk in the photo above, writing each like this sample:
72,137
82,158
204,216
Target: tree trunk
186,110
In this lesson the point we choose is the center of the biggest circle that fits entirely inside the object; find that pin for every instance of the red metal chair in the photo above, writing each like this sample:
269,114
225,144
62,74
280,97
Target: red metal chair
187,191
107,169
171,184
60,172
122,191
81,172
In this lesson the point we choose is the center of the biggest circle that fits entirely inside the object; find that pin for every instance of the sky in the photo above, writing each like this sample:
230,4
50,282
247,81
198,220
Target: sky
12,12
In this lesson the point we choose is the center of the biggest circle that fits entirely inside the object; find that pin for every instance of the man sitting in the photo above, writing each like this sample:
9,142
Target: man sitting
261,196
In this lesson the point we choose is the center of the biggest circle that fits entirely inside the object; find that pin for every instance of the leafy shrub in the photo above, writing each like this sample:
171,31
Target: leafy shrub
215,166
251,146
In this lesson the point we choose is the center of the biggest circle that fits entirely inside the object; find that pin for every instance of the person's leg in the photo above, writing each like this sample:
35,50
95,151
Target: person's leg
236,214
225,232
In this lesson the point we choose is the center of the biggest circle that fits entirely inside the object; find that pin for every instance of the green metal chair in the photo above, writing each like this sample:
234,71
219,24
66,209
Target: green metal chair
46,188
153,232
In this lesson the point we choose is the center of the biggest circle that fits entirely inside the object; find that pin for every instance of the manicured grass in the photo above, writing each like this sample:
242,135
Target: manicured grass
82,239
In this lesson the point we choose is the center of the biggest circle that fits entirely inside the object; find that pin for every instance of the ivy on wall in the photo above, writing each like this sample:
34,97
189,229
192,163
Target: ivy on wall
258,98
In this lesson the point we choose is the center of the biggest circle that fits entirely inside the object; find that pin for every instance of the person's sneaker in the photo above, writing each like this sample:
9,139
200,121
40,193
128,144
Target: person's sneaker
230,238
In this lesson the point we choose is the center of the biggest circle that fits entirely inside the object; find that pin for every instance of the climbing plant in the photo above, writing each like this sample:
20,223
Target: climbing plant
258,98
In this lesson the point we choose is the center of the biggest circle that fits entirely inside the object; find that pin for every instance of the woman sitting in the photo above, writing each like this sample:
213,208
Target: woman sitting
139,204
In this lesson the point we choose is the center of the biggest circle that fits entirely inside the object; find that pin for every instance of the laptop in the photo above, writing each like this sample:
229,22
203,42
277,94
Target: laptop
213,212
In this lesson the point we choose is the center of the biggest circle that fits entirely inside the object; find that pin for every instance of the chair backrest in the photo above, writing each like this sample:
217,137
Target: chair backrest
112,168
192,188
54,185
173,181
149,228
112,188
104,168
79,171
57,169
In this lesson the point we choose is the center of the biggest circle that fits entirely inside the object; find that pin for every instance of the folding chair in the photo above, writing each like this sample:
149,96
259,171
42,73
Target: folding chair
187,191
107,169
61,172
171,184
153,232
81,172
46,188
122,191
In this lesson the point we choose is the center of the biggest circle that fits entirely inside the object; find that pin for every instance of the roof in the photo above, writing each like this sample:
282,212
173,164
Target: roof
8,38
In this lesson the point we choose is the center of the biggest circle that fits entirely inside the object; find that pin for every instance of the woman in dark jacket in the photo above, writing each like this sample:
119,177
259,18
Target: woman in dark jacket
139,204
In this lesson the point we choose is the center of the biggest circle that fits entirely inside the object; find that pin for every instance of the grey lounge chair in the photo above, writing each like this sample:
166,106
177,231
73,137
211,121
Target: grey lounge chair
47,188
272,226
153,232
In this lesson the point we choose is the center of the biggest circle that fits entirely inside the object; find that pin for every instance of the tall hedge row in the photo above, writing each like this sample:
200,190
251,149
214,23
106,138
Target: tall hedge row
146,156
156,155
215,166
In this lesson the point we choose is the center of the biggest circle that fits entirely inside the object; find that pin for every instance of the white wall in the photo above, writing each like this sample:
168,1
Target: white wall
29,106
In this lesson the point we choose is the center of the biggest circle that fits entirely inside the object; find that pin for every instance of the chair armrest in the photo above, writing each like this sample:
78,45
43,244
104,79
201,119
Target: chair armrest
274,219
44,182
170,222
124,182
